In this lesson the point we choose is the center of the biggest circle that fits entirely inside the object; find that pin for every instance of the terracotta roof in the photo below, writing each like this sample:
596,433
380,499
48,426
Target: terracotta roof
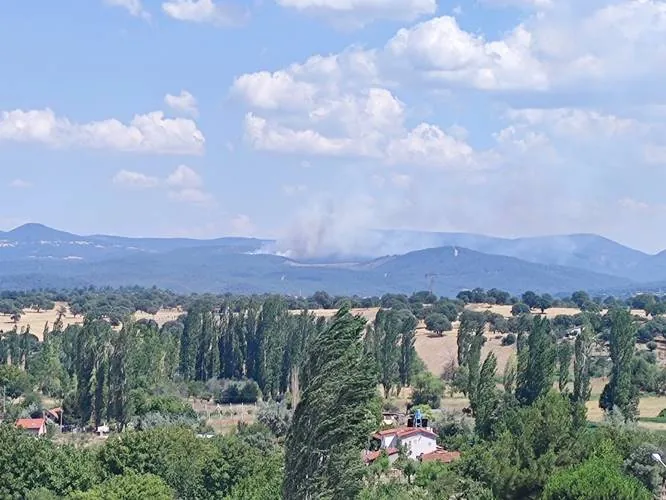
403,432
441,456
30,423
371,456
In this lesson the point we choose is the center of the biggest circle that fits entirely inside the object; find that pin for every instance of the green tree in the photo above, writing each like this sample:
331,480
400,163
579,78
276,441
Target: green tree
536,369
599,477
384,337
408,356
438,323
487,400
581,385
620,391
128,487
333,419
427,390
564,354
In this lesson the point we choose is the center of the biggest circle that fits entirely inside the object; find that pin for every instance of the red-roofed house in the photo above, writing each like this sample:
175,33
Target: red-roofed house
417,441
36,426
371,456
441,455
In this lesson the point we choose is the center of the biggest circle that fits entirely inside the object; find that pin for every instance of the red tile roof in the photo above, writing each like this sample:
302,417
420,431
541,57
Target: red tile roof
371,456
30,423
403,432
441,456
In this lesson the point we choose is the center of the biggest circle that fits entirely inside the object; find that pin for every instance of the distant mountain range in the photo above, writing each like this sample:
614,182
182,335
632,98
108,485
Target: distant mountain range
34,256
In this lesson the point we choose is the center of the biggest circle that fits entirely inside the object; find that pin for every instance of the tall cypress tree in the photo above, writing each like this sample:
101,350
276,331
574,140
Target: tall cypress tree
407,351
564,361
333,418
620,391
536,363
581,388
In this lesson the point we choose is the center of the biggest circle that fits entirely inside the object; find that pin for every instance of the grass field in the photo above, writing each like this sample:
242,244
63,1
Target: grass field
36,320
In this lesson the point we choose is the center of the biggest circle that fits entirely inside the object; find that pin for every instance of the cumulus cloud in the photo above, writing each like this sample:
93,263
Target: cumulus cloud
182,185
184,103
135,180
134,7
149,133
205,11
184,177
360,12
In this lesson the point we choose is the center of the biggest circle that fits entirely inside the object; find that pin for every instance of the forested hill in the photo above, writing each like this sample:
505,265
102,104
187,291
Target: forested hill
35,256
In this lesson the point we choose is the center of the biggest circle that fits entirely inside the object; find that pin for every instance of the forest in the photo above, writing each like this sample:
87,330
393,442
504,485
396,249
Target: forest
320,385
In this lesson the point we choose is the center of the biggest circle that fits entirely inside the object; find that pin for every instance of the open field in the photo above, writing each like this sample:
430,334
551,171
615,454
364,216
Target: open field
36,320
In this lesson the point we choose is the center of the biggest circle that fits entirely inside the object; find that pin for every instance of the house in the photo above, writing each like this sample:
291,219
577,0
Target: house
441,455
35,426
416,441
370,456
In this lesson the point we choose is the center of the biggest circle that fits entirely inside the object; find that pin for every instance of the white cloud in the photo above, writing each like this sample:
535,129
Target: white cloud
204,11
192,196
531,4
149,133
135,180
184,177
182,185
134,7
273,90
360,12
441,51
184,102
20,184
429,146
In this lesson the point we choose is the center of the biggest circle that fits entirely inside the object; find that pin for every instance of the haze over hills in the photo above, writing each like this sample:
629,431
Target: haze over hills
34,255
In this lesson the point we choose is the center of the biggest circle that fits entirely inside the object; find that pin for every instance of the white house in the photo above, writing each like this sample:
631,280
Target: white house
417,441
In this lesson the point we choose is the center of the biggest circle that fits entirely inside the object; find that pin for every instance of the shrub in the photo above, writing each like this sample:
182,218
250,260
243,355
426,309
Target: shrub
427,390
652,345
510,339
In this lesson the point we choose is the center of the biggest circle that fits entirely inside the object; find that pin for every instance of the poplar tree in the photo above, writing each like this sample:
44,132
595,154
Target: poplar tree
536,363
564,354
581,386
333,419
620,391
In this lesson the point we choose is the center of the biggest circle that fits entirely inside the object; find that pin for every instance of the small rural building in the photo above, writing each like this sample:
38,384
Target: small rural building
392,453
416,441
35,426
441,455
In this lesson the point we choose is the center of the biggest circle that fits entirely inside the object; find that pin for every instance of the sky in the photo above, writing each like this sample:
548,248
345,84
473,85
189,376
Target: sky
313,120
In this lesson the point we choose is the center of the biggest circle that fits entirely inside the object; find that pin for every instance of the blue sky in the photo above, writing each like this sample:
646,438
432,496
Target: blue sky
312,120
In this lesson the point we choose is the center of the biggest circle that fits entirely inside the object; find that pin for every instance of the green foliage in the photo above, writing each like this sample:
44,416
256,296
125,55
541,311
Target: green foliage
28,464
427,390
128,487
332,421
621,392
564,354
537,364
438,323
509,339
15,381
599,477
276,417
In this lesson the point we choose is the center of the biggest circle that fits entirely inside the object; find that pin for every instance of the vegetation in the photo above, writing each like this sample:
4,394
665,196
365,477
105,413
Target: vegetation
314,382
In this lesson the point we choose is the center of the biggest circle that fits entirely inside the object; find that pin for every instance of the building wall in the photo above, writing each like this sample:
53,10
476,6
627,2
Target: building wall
418,445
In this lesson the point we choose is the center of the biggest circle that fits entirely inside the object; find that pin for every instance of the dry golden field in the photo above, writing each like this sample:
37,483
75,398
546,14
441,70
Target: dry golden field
36,320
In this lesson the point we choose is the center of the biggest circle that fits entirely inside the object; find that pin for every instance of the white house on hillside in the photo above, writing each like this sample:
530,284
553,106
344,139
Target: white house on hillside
417,441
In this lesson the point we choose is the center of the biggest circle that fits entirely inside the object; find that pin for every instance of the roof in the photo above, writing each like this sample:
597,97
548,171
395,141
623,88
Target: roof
30,423
371,456
441,456
404,432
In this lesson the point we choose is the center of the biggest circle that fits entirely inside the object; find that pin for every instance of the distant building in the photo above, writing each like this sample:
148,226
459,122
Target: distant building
370,456
35,426
416,441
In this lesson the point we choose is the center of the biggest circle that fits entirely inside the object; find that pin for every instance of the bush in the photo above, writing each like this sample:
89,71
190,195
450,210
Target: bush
510,339
427,390
276,417
652,345
129,487
438,323
240,392
599,477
